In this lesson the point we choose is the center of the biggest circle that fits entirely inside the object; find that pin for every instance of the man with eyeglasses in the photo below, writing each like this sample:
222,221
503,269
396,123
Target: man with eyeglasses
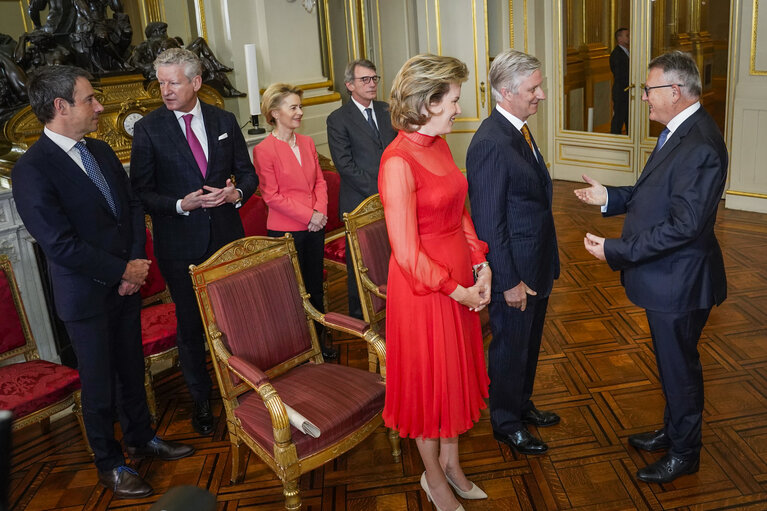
668,255
358,133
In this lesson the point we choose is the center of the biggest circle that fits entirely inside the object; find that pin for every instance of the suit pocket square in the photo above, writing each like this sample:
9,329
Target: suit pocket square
222,137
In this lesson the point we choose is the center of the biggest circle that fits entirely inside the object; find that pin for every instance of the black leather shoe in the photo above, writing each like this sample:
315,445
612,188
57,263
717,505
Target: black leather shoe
667,469
522,441
162,449
540,418
202,419
125,483
650,440
329,353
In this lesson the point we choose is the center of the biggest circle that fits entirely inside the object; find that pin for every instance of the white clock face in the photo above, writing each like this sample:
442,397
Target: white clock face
130,120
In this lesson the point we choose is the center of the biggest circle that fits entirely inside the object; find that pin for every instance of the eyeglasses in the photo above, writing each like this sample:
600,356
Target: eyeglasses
648,89
366,79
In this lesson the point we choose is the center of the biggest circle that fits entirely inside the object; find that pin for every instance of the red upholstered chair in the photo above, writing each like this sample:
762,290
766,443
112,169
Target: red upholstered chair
253,215
34,389
158,323
335,235
259,324
370,250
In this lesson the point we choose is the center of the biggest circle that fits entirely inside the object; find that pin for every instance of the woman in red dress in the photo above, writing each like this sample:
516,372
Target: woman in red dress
436,377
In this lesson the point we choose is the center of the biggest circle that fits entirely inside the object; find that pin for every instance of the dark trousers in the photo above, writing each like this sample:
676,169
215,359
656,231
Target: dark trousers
111,365
355,307
513,359
675,338
620,113
311,253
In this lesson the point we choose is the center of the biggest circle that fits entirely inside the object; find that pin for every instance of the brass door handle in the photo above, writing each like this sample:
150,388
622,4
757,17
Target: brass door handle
482,92
631,86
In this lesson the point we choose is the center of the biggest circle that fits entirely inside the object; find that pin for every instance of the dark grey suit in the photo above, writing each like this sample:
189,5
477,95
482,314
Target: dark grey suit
511,193
164,170
356,151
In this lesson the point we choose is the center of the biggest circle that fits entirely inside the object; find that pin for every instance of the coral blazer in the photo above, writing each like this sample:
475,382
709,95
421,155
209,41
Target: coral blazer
292,190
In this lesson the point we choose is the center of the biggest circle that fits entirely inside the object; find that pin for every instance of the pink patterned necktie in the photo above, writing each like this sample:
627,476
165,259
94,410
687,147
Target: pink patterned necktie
195,146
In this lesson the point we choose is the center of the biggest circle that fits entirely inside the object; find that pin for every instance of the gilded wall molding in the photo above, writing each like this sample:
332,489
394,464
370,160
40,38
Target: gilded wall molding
754,31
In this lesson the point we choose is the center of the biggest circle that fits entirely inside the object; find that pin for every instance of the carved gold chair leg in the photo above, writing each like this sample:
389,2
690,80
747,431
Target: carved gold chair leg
292,494
394,441
239,452
150,398
78,410
372,360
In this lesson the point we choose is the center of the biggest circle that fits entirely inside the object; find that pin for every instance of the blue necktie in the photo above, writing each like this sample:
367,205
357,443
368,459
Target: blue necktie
369,112
662,139
94,172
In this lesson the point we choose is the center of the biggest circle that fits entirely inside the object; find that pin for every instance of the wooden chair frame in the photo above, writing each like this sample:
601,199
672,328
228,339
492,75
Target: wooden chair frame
284,461
370,210
29,352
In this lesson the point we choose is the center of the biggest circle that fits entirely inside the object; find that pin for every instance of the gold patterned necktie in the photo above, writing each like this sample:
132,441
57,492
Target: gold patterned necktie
526,133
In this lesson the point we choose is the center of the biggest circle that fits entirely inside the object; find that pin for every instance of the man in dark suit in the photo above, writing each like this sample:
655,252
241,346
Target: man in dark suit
668,255
75,199
358,133
510,192
182,158
619,65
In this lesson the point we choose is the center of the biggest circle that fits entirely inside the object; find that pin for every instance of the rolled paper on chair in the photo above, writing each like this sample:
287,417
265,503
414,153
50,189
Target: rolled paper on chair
301,423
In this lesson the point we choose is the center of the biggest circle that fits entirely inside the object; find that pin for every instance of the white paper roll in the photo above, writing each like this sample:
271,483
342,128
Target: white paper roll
301,423
251,69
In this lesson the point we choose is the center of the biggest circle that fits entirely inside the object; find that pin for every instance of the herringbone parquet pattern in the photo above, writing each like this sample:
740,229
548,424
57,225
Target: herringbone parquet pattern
596,370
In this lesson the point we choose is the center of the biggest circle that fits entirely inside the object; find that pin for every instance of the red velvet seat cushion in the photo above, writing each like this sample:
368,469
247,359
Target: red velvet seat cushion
158,328
337,399
336,250
11,333
30,386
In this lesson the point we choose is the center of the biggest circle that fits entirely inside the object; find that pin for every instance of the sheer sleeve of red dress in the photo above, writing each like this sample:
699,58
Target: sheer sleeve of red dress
477,247
397,187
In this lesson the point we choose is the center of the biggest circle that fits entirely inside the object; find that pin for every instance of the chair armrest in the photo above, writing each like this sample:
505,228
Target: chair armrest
353,326
247,372
379,291
338,233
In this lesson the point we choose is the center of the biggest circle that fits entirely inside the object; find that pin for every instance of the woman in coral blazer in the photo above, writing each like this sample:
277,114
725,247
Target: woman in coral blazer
293,188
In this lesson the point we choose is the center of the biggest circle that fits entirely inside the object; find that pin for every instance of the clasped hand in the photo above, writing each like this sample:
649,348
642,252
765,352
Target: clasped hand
214,198
477,296
134,276
317,222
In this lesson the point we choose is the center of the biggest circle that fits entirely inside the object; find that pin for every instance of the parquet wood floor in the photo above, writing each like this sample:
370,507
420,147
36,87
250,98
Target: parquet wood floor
596,370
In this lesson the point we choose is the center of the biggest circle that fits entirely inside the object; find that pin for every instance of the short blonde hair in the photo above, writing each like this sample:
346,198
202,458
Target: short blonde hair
273,97
421,82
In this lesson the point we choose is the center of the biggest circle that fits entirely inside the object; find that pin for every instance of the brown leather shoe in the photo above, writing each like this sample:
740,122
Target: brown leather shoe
161,449
125,483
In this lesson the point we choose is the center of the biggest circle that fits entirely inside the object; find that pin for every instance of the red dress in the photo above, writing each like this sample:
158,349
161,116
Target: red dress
436,379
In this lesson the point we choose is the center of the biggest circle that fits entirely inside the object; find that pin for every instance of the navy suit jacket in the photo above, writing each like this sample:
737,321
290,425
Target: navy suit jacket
86,246
164,170
668,255
356,151
511,196
619,65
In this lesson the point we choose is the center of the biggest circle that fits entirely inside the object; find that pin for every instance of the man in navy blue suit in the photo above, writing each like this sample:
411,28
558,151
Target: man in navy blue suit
511,192
668,255
183,156
75,199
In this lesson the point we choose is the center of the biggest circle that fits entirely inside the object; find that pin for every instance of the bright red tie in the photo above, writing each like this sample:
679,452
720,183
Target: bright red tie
195,146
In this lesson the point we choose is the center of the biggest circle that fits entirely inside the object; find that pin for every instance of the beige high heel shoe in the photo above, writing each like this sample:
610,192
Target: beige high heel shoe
425,487
475,493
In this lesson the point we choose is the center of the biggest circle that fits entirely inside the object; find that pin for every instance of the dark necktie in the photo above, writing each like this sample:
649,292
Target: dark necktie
195,146
94,173
369,112
526,132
